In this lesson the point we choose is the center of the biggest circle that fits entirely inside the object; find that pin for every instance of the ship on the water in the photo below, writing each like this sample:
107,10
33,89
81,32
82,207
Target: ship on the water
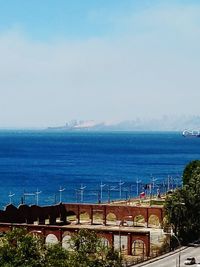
191,133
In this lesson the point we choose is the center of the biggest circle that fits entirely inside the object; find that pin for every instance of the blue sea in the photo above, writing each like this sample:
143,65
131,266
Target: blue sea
68,161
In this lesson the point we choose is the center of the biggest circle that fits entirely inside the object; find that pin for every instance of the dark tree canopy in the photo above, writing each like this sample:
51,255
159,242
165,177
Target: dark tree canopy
182,207
191,169
18,249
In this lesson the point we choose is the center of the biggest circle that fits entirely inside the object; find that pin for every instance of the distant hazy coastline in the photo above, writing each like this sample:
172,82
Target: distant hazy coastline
165,123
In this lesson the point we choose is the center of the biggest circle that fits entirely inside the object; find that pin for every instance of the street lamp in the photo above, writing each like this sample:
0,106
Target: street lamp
61,190
101,188
138,182
82,191
120,241
37,196
173,234
179,243
120,189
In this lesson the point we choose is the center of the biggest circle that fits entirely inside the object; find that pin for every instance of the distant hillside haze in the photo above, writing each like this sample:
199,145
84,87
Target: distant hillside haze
165,123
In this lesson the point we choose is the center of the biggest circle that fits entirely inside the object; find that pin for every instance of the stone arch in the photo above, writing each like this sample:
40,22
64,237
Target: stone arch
98,217
51,239
104,241
138,248
153,221
37,233
111,218
71,217
139,220
85,217
66,241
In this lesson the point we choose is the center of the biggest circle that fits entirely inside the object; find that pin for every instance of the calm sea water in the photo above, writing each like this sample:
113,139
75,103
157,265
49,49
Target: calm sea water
31,160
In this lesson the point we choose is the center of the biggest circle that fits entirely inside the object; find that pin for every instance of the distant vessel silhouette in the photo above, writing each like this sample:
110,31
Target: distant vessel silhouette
192,133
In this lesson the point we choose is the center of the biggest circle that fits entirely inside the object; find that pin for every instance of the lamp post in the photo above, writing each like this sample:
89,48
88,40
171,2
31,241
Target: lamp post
37,196
120,189
82,191
138,182
173,234
179,243
61,190
120,241
101,188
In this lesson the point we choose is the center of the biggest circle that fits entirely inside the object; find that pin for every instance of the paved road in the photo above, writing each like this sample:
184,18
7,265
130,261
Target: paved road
171,260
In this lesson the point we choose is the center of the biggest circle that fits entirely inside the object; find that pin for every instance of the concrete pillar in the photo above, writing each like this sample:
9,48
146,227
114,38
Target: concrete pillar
91,214
148,245
60,236
63,218
129,245
78,215
104,215
112,240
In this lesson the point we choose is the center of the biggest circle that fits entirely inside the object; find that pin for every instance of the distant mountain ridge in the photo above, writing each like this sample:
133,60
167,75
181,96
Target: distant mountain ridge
165,123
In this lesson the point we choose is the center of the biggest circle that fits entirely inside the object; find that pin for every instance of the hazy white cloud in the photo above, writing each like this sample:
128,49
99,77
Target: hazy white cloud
147,68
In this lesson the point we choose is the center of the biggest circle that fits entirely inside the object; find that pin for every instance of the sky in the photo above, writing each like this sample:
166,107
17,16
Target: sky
105,60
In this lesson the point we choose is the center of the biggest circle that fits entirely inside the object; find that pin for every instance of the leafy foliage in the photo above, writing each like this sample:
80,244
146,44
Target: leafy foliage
89,251
183,206
192,169
55,255
21,249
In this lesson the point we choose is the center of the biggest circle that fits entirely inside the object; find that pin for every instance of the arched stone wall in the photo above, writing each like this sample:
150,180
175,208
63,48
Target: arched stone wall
106,236
66,240
138,248
98,217
120,211
139,220
153,221
111,218
58,233
159,212
85,217
29,214
71,217
105,242
145,239
51,239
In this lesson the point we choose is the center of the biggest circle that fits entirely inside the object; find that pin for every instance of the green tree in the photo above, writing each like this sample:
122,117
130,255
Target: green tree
182,207
55,255
192,169
88,251
20,249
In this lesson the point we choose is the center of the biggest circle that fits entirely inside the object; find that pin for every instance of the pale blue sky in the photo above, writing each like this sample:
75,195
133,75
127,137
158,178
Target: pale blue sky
43,20
104,60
